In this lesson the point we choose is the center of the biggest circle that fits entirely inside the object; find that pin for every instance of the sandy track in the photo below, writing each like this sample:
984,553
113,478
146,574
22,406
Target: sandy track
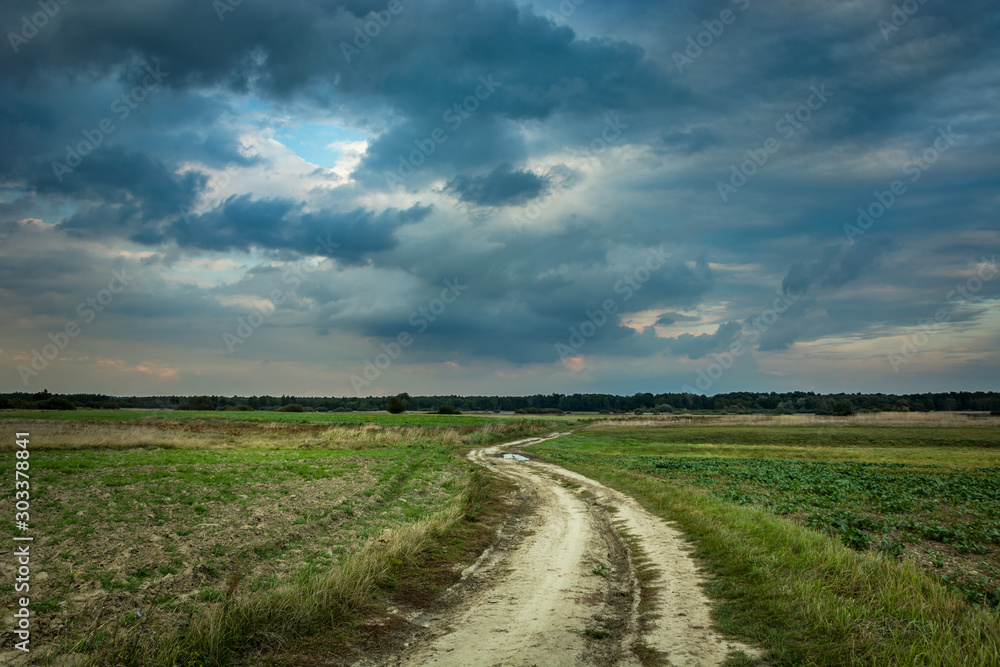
560,589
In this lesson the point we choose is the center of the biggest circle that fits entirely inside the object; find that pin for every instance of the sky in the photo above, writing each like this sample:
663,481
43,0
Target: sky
365,197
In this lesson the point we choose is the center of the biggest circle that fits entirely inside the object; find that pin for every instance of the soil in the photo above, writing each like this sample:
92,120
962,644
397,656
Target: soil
560,587
197,553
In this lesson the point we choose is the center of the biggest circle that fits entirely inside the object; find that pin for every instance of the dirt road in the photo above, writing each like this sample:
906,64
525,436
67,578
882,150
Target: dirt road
560,586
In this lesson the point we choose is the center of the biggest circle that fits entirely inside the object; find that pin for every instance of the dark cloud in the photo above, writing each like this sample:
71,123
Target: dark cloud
504,186
691,141
124,187
243,223
578,127
837,265
15,210
670,317
697,346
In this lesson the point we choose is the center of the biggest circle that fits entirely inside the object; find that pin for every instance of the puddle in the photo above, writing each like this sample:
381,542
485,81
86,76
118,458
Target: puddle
515,457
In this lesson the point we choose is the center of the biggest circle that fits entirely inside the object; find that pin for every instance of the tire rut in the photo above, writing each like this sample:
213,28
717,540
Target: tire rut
560,587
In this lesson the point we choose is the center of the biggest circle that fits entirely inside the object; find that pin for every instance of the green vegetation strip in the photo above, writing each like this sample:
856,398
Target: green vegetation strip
808,598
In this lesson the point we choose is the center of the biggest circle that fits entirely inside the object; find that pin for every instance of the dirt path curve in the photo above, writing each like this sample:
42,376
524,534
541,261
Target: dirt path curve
561,588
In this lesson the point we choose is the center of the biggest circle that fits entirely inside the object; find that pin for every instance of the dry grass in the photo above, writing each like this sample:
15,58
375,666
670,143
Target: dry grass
181,434
371,436
956,419
47,435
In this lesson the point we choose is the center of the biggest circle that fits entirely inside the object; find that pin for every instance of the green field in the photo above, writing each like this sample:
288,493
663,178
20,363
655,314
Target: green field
830,541
179,521
182,515
838,544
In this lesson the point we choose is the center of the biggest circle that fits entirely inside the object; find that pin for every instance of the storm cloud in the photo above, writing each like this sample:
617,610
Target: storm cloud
820,180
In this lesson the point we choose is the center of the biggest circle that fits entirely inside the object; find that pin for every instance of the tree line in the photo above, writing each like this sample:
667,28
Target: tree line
773,402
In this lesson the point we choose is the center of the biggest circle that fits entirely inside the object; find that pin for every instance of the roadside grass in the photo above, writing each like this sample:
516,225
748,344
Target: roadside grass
413,584
862,588
646,575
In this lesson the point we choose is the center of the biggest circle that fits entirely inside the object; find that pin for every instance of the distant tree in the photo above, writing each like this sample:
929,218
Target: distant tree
200,403
110,405
54,404
538,411
395,405
842,409
445,409
292,407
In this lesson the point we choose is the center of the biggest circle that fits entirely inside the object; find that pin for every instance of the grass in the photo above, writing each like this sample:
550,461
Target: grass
412,584
232,518
224,433
332,598
780,515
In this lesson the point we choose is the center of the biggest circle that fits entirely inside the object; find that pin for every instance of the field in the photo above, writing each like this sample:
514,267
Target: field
835,540
148,527
194,538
